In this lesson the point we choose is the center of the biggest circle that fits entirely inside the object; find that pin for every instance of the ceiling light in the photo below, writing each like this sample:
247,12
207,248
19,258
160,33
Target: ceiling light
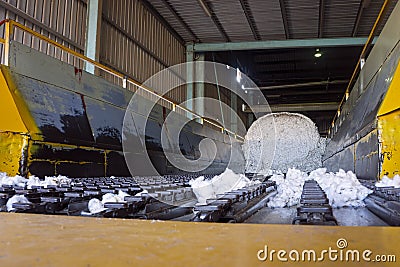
317,53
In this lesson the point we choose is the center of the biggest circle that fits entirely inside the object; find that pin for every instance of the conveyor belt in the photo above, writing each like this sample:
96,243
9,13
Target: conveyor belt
314,206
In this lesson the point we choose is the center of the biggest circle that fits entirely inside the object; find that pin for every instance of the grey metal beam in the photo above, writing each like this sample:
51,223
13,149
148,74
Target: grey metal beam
307,93
295,107
363,5
284,18
296,85
220,28
279,44
250,19
180,19
321,18
160,18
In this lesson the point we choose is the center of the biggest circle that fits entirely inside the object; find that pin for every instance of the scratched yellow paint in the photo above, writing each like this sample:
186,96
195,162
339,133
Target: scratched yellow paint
389,128
389,136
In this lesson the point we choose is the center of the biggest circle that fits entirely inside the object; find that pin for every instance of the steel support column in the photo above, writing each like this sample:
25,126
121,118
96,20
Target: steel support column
199,86
189,77
92,47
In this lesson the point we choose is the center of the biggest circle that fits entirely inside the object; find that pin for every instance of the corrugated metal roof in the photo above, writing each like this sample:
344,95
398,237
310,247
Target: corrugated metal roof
233,20
339,18
270,26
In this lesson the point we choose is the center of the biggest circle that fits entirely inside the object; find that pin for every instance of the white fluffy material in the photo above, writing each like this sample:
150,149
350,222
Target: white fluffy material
342,189
16,199
33,180
15,180
280,141
386,181
289,188
96,205
227,181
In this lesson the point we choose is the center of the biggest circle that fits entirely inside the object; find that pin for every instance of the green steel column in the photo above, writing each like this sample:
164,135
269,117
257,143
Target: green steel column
92,46
189,76
199,86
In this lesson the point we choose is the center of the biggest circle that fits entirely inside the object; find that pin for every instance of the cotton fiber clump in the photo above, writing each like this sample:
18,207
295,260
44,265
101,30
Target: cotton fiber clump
15,180
32,181
289,188
342,189
209,188
96,205
48,180
386,181
280,141
16,199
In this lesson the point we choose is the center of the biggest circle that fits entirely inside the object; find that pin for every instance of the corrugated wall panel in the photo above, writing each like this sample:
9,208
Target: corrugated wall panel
65,17
134,42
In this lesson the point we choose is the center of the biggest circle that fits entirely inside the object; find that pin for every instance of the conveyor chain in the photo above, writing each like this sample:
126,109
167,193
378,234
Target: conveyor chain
236,205
164,196
314,206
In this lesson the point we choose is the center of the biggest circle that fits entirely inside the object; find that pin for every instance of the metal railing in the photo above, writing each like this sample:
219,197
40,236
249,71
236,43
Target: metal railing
147,92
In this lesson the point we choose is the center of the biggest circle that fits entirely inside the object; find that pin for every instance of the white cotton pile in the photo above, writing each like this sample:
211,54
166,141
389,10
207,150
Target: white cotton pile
32,181
16,199
289,188
48,180
280,141
386,181
15,180
96,205
342,188
209,188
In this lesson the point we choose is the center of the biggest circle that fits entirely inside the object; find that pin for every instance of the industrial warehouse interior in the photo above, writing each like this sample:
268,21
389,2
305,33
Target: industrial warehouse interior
199,132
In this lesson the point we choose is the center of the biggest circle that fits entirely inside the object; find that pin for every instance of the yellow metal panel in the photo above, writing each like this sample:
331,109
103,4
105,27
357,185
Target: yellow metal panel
12,147
10,119
21,106
389,128
38,240
392,97
389,137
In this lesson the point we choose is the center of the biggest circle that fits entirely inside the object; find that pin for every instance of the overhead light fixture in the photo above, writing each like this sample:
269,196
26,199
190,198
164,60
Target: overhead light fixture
205,7
317,53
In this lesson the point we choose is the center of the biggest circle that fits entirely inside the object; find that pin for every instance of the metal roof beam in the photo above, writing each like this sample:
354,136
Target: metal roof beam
180,19
250,19
284,18
321,18
294,107
280,44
